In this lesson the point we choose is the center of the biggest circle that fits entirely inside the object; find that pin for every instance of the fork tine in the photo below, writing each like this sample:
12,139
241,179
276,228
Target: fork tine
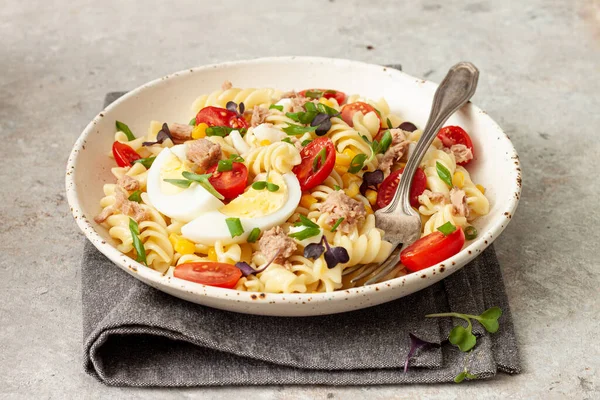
368,269
350,270
381,273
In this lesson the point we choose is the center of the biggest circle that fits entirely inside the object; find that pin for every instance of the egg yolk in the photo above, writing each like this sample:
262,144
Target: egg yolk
258,203
172,168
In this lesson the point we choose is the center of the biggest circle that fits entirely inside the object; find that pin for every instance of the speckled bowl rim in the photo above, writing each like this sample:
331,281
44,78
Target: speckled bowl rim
158,280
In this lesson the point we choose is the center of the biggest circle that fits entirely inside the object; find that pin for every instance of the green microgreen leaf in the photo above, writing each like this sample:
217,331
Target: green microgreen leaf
276,107
443,173
460,377
298,130
192,122
337,224
136,196
305,142
489,319
253,236
146,162
327,110
137,243
313,94
235,226
203,181
305,233
462,337
183,183
271,187
389,124
236,158
357,163
386,141
225,165
470,232
471,376
221,131
259,185
287,140
336,187
447,228
125,129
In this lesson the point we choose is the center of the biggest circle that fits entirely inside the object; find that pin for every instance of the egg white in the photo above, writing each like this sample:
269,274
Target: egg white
185,204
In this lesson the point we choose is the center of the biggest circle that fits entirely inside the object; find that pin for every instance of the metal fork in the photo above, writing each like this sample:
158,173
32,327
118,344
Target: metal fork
401,223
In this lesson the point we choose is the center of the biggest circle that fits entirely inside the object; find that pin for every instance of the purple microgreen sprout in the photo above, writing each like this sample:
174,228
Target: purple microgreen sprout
415,344
408,127
161,136
323,123
333,255
248,270
371,180
233,107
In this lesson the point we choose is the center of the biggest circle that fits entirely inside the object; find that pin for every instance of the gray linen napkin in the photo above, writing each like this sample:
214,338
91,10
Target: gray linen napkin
135,335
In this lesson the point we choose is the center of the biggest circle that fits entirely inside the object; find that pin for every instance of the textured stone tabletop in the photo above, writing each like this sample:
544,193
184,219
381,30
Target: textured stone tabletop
540,79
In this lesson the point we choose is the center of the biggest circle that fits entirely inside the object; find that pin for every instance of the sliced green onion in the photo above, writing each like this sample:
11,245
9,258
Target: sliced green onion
237,157
192,122
125,129
310,107
470,232
253,236
305,142
259,185
221,131
304,221
389,123
136,196
271,187
313,94
447,228
146,162
235,226
386,141
321,156
298,130
337,223
336,187
183,183
275,107
204,182
443,173
225,165
327,110
357,163
288,140
137,243
305,233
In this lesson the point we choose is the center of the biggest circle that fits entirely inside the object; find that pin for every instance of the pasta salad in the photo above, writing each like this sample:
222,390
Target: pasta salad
272,191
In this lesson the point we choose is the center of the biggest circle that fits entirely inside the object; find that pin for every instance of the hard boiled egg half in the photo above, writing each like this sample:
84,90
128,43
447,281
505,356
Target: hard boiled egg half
261,209
182,204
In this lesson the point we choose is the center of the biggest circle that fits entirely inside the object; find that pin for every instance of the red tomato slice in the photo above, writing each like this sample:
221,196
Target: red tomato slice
124,155
308,177
349,110
388,188
217,116
229,183
340,97
432,249
209,273
450,135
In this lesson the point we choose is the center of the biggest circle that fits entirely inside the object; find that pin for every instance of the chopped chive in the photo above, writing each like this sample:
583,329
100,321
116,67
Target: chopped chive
236,158
305,233
447,228
287,140
298,130
259,185
306,222
357,163
136,196
276,107
336,187
470,232
337,223
253,236
313,94
146,162
389,124
305,142
271,187
137,243
235,226
386,141
184,183
225,165
321,156
443,173
218,131
192,122
125,129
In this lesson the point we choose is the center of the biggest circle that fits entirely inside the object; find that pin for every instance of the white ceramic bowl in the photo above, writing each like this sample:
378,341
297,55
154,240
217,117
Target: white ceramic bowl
496,166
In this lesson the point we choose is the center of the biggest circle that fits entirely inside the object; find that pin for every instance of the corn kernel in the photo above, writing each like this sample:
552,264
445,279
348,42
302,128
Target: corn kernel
212,254
481,188
327,102
368,209
307,200
348,179
349,153
173,239
458,179
182,245
352,190
340,169
265,142
342,159
199,131
371,195
246,255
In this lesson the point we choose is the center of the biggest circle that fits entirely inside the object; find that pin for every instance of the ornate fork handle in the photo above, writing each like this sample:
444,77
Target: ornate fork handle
454,91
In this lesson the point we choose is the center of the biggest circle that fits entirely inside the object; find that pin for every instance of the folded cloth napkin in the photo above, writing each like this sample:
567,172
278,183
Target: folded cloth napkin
135,335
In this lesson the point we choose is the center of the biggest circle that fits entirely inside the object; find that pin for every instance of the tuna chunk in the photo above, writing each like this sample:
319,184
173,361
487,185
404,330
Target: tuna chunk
458,198
123,206
435,197
275,240
259,115
461,152
298,101
339,205
395,151
203,153
180,132
128,183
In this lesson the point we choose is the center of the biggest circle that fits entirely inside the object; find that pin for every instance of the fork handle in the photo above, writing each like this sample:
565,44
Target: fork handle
455,90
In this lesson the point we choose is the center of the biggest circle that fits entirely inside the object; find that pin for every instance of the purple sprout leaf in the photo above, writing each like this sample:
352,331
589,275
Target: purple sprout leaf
314,250
415,344
161,136
335,255
248,270
242,108
371,180
408,126
323,122
233,107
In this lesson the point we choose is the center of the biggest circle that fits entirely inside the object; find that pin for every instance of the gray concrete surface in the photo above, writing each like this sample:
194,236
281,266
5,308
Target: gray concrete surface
540,63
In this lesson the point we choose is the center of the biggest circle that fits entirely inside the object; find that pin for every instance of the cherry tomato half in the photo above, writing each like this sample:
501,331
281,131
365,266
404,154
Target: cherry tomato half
217,116
432,249
340,97
349,110
229,183
388,188
311,173
209,273
124,155
450,135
